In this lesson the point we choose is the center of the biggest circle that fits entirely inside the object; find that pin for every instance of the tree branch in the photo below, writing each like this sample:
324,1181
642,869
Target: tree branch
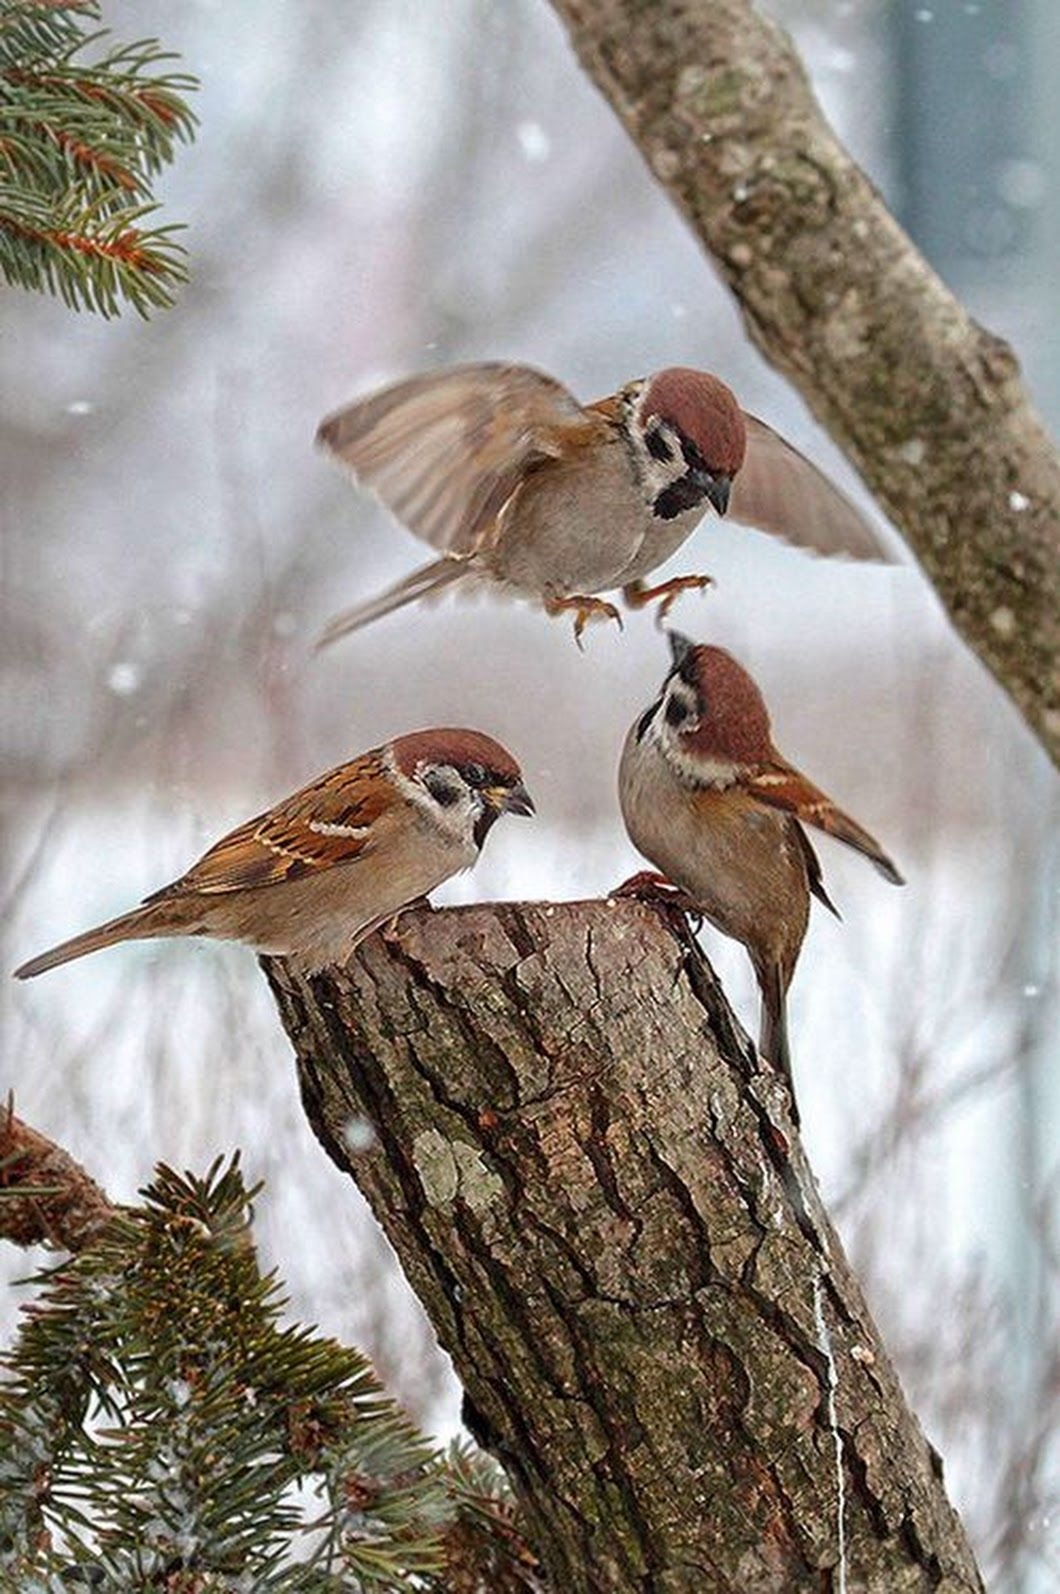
927,404
599,1197
46,1198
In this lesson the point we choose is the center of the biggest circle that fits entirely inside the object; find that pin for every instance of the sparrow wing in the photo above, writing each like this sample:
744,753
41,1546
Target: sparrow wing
780,786
814,876
328,822
445,451
778,490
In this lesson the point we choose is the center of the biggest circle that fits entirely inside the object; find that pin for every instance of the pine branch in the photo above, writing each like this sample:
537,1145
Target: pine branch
80,141
159,1428
89,259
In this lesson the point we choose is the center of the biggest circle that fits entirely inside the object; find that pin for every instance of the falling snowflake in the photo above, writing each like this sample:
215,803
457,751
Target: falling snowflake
124,678
533,141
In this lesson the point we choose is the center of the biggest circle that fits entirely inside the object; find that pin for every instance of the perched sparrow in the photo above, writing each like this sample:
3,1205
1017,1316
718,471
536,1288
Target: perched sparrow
709,800
515,482
313,876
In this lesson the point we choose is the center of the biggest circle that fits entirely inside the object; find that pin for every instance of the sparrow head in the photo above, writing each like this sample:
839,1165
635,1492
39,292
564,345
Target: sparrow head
710,718
693,433
462,778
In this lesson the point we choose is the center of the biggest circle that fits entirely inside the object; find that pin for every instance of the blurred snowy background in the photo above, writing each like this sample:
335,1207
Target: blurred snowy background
383,187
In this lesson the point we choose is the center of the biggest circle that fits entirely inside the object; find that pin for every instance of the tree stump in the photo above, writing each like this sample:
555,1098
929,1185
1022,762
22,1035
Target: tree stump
597,1192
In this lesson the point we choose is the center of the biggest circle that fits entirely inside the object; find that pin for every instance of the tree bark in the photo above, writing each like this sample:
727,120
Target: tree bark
598,1195
46,1198
927,404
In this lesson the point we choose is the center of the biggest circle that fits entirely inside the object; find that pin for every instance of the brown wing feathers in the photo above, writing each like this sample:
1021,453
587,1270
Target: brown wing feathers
781,786
779,490
326,823
445,451
814,876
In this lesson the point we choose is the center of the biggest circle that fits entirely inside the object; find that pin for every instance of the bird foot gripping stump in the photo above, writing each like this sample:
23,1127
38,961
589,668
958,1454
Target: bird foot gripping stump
600,1200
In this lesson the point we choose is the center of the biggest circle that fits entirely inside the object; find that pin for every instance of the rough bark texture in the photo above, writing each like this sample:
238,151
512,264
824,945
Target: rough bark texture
927,404
600,1199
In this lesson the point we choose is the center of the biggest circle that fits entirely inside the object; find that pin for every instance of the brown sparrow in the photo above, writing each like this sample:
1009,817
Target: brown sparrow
708,799
515,482
314,875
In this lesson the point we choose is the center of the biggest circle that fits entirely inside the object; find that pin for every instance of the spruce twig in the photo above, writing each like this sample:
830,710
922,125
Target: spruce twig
161,1428
80,141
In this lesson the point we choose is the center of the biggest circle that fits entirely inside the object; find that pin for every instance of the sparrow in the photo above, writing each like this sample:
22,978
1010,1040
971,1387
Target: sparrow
710,802
311,877
514,482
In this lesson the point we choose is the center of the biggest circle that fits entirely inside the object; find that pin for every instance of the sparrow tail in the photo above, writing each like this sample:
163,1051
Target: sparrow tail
128,927
773,1035
422,583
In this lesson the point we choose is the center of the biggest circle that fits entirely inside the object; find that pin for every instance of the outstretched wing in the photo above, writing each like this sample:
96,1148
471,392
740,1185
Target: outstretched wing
780,786
328,822
445,451
778,490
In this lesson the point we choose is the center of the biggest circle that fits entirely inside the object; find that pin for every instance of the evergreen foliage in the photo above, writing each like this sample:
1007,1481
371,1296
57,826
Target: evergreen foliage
160,1430
80,141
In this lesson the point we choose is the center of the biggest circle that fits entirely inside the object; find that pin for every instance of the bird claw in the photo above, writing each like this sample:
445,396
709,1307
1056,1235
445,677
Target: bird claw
390,929
584,609
638,596
649,886
675,906
646,883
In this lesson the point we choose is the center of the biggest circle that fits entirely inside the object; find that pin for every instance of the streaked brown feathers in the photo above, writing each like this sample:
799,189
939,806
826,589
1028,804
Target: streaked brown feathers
779,785
445,451
327,822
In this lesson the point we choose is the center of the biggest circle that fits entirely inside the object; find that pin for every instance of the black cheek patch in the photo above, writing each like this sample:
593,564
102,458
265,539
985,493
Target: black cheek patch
687,492
692,457
658,447
444,791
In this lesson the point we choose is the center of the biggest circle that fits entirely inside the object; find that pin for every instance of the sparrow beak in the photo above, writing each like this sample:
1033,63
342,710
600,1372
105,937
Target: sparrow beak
680,647
718,489
510,799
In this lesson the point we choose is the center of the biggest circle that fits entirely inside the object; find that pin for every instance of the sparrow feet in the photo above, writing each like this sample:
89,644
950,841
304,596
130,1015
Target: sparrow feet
584,609
638,596
390,929
677,910
648,886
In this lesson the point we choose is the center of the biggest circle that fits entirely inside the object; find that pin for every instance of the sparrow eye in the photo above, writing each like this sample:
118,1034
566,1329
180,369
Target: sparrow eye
475,775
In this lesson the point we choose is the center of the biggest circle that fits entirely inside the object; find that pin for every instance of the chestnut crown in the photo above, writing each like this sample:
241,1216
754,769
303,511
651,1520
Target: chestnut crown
704,411
733,722
476,755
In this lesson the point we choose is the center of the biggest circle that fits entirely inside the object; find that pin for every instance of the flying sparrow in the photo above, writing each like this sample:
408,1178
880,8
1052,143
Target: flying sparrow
708,799
314,875
501,469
